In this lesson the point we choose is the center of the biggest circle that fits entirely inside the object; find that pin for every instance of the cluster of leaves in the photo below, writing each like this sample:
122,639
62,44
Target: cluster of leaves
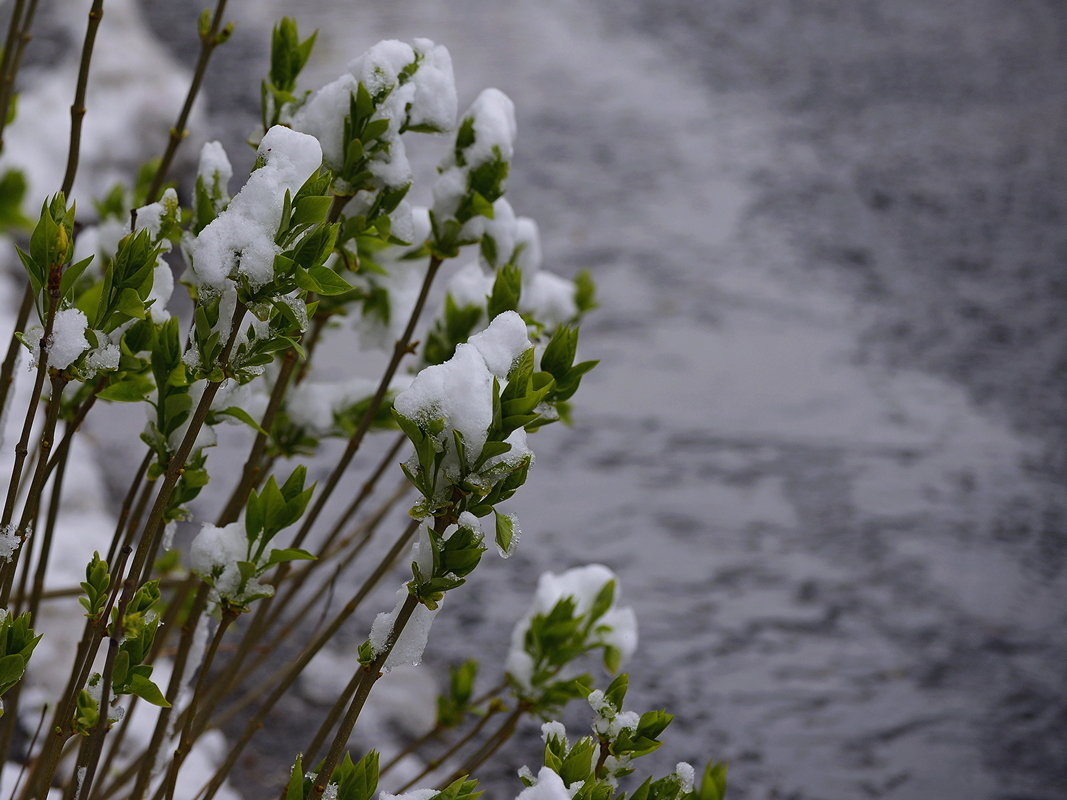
554,641
137,627
17,640
454,557
51,248
359,781
454,705
595,763
288,55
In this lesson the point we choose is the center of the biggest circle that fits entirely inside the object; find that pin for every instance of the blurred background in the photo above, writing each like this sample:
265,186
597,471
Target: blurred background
825,448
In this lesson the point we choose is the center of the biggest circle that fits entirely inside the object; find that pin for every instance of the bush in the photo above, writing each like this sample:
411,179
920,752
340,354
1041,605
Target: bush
320,235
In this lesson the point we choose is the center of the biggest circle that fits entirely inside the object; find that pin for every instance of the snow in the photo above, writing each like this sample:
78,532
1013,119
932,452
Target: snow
549,786
494,128
553,730
9,543
414,794
687,775
549,298
502,343
617,628
412,640
460,391
150,217
214,165
323,116
435,88
68,340
471,286
240,241
378,68
213,556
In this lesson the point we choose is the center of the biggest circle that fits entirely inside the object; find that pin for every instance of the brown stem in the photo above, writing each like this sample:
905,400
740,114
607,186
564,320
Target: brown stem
185,743
437,730
7,371
18,36
208,43
33,499
370,675
494,743
293,671
451,751
253,468
77,108
400,349
143,765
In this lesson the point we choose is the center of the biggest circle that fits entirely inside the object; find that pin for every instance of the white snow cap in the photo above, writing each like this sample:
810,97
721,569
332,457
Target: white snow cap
414,794
412,641
323,116
435,88
460,391
582,584
549,786
494,127
240,241
214,554
502,342
214,161
67,341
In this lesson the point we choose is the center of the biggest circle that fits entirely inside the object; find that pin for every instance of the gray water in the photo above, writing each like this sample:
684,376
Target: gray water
824,446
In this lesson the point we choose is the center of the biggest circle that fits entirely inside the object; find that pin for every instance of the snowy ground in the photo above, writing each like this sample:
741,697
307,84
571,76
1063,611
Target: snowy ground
826,246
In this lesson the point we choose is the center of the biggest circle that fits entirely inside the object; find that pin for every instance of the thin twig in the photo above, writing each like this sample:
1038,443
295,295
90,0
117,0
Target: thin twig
208,43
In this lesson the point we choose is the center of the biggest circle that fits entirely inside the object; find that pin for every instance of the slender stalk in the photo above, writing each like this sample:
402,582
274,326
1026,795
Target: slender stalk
437,730
334,714
33,742
400,349
185,743
208,42
73,426
435,763
7,76
127,505
487,750
52,751
293,671
370,675
153,527
7,371
46,541
77,108
22,449
18,36
253,468
148,759
33,499
89,756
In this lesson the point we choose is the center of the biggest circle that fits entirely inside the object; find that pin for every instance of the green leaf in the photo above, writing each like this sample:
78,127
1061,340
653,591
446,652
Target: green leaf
71,275
505,533
295,789
713,784
289,554
147,691
132,389
328,281
11,669
239,413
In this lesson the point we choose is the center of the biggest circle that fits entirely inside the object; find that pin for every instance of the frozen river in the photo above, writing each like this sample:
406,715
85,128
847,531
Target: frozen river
833,505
